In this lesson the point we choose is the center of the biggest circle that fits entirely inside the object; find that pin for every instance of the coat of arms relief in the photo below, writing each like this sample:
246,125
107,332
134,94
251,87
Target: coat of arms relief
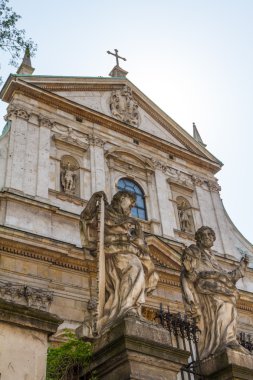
124,107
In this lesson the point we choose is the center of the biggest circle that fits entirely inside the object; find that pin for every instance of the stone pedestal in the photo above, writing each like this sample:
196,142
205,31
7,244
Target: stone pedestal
24,341
228,365
137,350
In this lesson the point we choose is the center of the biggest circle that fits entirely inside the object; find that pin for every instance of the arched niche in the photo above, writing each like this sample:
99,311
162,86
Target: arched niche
185,215
70,175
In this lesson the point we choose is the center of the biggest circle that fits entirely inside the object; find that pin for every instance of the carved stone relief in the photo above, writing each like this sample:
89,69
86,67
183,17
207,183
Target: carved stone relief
21,294
69,175
18,112
45,122
97,141
214,186
124,107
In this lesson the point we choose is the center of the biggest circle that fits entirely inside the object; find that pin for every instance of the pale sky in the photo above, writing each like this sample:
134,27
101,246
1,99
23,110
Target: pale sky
192,58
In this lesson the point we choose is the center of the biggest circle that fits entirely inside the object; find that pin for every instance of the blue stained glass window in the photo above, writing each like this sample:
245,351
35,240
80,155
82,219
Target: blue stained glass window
139,211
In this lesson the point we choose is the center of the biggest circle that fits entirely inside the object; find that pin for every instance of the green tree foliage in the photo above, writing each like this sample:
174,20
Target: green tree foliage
13,40
68,360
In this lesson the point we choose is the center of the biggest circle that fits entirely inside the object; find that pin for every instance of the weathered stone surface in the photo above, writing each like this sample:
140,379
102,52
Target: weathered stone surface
210,294
136,349
24,341
228,365
126,272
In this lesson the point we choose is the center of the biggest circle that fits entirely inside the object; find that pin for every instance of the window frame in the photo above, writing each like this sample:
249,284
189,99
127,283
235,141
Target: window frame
140,193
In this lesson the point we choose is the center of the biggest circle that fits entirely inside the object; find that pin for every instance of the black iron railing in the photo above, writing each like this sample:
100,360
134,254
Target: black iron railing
184,334
246,341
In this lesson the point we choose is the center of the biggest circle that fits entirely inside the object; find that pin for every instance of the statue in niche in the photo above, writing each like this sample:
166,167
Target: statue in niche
185,215
126,272
210,294
68,174
124,107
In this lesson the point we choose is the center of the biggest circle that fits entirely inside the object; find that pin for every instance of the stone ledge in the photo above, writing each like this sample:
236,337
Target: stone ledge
228,365
137,349
28,317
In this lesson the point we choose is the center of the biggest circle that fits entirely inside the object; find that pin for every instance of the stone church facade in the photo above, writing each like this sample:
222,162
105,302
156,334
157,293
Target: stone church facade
66,138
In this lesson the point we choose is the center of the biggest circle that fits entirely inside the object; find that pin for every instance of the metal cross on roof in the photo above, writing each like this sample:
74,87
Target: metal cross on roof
117,56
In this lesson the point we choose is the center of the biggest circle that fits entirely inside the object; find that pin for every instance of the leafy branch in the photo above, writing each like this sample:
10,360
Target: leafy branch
68,360
12,39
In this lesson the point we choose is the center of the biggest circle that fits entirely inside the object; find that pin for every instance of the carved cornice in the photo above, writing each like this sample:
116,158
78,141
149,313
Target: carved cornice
23,294
44,249
245,305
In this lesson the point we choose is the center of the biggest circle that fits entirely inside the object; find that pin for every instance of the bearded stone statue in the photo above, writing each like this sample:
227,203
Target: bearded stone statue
129,271
210,294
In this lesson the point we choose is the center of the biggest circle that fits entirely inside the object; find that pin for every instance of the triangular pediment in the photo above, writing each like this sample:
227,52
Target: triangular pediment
164,255
95,94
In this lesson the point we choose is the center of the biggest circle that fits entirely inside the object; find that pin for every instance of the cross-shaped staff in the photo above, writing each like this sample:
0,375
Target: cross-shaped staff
117,56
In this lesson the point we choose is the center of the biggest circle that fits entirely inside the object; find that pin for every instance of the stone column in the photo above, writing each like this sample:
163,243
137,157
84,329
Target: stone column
137,350
228,365
24,341
43,157
97,164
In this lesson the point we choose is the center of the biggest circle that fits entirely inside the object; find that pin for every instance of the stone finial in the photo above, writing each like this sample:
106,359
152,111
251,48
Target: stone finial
197,136
26,65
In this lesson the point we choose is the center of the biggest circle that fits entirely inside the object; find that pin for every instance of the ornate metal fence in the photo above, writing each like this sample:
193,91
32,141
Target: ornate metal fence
246,341
184,334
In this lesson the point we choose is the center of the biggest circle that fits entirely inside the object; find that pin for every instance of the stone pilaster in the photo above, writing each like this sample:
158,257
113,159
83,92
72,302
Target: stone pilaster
138,350
167,214
228,365
97,164
24,340
17,148
43,157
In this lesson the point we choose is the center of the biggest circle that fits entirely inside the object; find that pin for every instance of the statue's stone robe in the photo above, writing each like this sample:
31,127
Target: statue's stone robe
210,296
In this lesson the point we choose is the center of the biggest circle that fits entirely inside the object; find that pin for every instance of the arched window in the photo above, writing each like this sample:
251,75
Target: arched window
139,211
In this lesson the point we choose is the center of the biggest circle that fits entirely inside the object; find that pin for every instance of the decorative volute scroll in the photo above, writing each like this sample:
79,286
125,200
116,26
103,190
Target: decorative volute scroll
125,271
70,175
124,107
185,215
210,294
17,111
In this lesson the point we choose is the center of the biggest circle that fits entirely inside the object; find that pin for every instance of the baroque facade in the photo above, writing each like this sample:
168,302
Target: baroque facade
65,139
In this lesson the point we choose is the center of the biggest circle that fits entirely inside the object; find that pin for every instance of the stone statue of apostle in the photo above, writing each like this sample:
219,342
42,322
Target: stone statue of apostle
210,294
129,271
